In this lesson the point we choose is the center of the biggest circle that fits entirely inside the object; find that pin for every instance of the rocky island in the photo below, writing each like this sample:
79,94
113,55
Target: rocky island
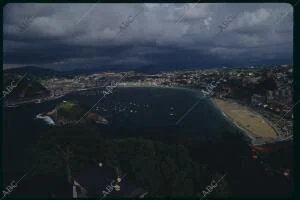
71,112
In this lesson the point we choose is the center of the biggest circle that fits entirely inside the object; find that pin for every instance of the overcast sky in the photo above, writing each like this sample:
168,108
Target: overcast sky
67,36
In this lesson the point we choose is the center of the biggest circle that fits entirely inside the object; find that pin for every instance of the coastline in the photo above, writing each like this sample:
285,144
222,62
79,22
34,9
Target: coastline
166,87
16,104
255,138
248,136
45,118
36,101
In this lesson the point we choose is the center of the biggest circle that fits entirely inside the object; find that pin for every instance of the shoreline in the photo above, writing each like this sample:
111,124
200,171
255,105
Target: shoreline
166,87
17,104
45,118
36,101
254,138
248,136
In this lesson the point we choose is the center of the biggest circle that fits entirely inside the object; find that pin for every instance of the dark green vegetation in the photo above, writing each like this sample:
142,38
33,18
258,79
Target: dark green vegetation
26,88
72,111
86,147
245,91
162,169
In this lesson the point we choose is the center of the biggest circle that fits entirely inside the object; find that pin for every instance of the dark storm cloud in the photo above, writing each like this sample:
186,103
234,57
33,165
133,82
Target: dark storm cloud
66,36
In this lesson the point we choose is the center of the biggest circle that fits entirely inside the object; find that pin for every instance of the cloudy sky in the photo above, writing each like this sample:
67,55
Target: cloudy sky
68,36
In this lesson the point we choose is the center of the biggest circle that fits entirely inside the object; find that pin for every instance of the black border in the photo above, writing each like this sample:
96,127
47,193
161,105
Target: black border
296,72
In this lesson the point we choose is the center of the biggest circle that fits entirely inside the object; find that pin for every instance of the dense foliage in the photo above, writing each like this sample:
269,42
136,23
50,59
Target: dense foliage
71,110
25,87
162,169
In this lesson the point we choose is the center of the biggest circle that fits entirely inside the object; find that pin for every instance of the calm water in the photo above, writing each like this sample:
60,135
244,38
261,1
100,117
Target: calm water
147,112
150,113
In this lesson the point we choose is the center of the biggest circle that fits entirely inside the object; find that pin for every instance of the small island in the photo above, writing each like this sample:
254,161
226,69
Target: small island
71,112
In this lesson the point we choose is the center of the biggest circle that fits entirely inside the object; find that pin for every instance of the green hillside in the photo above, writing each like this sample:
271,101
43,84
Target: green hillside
26,88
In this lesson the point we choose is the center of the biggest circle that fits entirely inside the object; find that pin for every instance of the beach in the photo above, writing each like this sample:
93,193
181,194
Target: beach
253,124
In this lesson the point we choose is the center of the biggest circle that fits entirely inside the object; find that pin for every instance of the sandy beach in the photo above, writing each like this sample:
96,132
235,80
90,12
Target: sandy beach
247,119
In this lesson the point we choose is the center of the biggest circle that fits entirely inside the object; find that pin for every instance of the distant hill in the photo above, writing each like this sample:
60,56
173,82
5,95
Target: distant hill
26,88
39,72
32,70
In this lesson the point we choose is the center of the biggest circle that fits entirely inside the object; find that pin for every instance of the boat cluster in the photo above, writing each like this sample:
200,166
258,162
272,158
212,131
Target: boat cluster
131,107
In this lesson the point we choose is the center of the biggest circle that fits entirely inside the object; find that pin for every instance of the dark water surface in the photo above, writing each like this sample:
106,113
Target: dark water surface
131,112
149,113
